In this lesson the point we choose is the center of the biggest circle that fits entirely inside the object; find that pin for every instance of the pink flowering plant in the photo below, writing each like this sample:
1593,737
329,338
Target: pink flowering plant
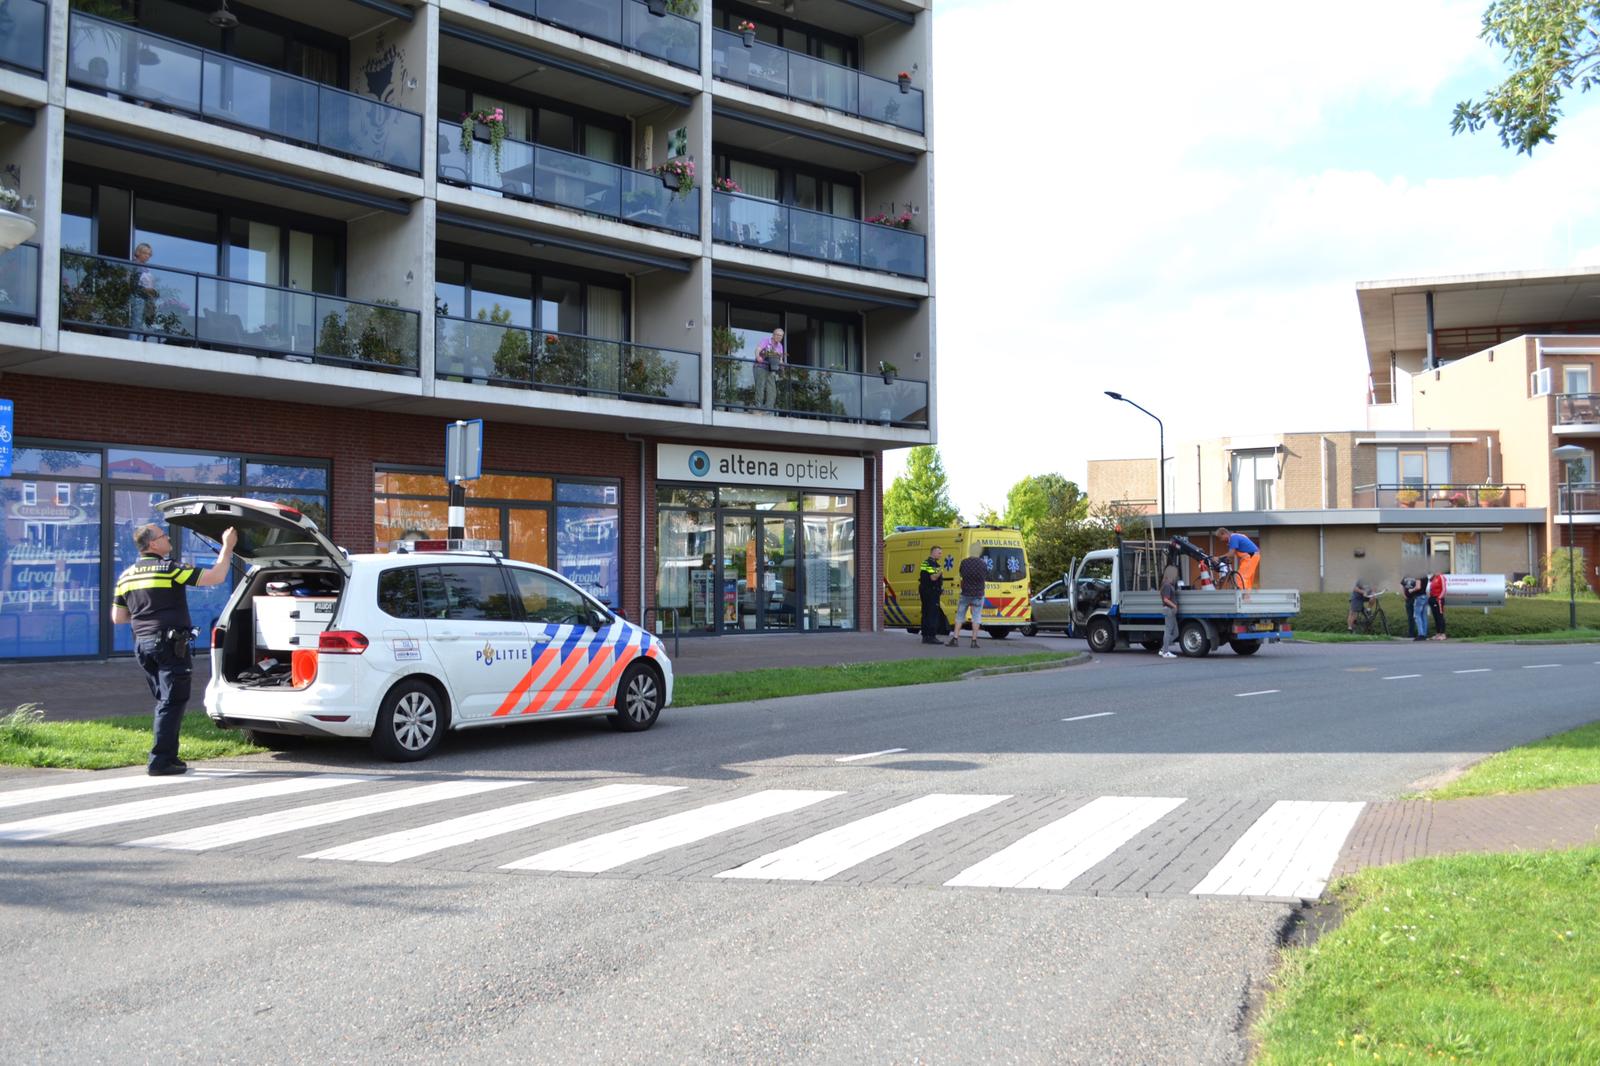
746,26
491,119
900,221
680,170
725,185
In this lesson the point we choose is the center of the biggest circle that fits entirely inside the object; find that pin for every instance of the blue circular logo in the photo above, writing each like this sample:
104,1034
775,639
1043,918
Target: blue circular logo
699,463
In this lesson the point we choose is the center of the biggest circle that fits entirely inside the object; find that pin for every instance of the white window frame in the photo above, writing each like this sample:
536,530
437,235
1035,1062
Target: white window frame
63,494
30,493
1569,371
1539,382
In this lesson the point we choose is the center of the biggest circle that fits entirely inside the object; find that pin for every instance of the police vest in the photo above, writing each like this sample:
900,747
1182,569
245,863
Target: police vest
152,590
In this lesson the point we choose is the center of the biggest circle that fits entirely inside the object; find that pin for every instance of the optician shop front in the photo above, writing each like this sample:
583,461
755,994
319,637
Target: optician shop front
755,541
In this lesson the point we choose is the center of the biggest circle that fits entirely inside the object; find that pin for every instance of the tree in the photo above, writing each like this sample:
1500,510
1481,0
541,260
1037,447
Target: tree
920,496
1058,539
1038,495
1552,46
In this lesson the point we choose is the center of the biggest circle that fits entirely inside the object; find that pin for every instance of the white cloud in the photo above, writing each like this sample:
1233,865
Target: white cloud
1150,204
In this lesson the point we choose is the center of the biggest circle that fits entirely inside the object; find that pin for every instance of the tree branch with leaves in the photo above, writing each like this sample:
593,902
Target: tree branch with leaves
1552,47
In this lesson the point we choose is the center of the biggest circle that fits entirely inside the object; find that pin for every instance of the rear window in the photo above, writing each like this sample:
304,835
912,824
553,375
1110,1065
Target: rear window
467,593
397,593
1005,564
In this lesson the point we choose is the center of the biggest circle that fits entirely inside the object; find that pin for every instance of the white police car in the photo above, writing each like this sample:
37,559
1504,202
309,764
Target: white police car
403,647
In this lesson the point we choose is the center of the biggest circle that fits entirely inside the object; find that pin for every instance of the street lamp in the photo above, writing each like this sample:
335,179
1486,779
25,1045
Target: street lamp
1161,459
1568,453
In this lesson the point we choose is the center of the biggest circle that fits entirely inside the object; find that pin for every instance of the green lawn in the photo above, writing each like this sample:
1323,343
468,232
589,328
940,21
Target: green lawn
810,680
1571,758
1325,612
1470,958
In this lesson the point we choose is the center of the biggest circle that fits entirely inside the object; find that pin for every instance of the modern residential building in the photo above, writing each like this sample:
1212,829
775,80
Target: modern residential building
280,246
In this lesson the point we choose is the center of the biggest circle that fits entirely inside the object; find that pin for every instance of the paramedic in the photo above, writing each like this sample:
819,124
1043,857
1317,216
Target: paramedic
152,596
1242,554
930,585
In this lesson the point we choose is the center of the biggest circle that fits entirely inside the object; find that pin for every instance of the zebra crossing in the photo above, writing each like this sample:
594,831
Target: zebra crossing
1087,845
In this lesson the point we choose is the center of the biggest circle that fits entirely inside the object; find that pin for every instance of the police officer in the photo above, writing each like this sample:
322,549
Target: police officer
930,584
152,595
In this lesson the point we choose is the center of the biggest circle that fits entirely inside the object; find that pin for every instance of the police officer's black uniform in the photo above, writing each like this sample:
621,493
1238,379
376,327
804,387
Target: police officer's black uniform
930,584
153,591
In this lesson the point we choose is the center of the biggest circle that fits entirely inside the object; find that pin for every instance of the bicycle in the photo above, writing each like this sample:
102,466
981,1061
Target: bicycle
1371,620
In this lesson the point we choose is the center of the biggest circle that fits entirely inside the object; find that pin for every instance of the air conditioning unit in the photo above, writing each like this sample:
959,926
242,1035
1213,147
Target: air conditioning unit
1539,382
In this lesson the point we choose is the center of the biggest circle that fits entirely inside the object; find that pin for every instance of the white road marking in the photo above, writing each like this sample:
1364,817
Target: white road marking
1287,853
1054,856
1262,692
1086,717
221,834
423,840
1542,666
870,755
610,850
1479,670
72,789
56,824
826,854
1400,677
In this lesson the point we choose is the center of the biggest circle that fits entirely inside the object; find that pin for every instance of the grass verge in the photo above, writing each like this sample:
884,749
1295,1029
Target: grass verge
811,680
1570,758
1556,636
29,740
1313,637
1325,612
1470,958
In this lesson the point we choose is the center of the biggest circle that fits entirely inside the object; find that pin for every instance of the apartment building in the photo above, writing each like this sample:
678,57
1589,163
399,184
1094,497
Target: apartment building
1329,508
279,246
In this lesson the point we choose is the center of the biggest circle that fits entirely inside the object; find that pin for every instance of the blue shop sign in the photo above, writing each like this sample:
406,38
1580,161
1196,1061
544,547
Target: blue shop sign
6,450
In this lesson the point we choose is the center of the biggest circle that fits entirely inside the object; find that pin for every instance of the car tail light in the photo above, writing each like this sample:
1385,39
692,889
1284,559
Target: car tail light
217,633
341,642
290,511
302,667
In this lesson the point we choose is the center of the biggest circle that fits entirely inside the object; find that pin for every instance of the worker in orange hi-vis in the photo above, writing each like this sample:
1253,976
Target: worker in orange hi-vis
1242,552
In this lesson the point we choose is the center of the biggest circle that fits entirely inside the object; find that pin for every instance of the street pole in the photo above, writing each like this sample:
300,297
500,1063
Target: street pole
1569,454
1161,459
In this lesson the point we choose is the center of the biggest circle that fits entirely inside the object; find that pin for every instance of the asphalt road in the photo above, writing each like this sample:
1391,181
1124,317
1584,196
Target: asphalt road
252,952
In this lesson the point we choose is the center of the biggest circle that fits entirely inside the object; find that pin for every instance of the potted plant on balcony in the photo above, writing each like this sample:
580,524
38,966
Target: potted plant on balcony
747,30
15,227
889,371
905,81
893,221
486,124
1491,495
677,175
725,185
1407,497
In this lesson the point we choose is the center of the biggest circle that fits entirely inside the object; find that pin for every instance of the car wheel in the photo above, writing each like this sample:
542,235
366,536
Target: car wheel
1030,630
1193,640
273,741
1102,636
1245,647
411,722
997,632
639,699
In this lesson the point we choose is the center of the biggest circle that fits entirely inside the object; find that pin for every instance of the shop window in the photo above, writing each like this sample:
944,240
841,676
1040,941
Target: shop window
686,496
578,492
273,475
398,521
759,499
50,574
587,550
509,487
62,462
138,464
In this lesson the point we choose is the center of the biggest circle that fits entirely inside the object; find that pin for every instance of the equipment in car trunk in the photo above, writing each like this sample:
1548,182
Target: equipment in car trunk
284,623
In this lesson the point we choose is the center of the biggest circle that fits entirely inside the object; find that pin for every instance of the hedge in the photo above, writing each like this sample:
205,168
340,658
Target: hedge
1325,612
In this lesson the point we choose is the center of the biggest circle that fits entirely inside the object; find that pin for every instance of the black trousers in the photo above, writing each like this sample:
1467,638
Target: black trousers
168,675
1411,616
932,621
1438,615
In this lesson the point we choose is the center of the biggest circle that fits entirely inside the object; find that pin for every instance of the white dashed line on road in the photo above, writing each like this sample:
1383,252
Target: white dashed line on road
1400,677
1263,692
1541,666
870,755
1083,717
1479,670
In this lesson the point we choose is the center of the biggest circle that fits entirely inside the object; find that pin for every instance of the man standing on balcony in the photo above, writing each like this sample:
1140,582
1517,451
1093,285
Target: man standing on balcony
142,306
770,362
1242,555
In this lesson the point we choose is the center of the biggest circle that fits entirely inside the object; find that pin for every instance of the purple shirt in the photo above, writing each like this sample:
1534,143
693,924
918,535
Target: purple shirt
770,353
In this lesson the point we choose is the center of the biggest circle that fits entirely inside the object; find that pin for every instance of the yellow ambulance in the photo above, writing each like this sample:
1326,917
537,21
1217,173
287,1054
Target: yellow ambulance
1006,605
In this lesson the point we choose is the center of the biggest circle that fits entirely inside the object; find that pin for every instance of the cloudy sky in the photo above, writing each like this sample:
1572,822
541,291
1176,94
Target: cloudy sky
1178,206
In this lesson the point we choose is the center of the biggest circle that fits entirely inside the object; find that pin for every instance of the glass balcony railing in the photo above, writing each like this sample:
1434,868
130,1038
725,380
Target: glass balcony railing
1580,497
756,223
1578,408
23,26
495,354
811,392
19,283
814,81
628,23
1440,496
120,61
182,307
550,176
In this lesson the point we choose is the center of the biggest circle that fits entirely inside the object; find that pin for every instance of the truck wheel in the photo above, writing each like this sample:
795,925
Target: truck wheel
1030,630
1245,647
1193,640
1102,636
997,632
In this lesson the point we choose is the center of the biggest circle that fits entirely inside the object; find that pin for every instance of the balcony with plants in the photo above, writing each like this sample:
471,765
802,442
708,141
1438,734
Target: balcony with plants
121,62
118,298
1439,495
742,383
24,31
740,58
883,243
668,30
489,350
477,153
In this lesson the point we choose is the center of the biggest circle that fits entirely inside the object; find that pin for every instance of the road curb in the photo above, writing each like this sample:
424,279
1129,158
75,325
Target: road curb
1076,659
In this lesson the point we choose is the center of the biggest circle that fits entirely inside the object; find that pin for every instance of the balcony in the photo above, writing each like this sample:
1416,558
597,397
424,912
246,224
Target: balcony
150,303
494,354
798,76
122,62
1429,496
19,284
23,25
1578,409
751,222
1580,498
831,395
628,23
550,176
